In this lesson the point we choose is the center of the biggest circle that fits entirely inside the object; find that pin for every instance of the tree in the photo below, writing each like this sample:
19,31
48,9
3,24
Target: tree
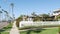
0,15
33,14
0,6
6,14
0,11
12,6
18,20
44,16
58,18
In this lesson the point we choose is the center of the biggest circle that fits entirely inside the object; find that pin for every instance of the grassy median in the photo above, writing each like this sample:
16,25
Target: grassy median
53,30
6,29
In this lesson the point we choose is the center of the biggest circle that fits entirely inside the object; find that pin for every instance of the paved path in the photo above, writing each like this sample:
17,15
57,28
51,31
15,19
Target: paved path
14,29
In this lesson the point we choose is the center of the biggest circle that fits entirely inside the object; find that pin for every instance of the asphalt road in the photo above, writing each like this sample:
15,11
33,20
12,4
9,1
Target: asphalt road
3,24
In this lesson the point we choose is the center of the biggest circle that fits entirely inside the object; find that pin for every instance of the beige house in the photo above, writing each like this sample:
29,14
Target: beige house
38,18
56,13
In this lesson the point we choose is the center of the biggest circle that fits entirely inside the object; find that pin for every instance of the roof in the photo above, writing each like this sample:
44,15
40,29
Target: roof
57,10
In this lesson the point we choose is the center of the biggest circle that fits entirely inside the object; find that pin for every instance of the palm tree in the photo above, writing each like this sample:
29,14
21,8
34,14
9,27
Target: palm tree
0,14
33,14
12,6
6,14
0,6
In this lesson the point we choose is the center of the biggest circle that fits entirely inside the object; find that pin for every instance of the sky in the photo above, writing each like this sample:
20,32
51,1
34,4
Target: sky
27,7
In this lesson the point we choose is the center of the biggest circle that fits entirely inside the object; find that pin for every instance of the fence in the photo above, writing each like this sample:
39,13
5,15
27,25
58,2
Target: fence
41,23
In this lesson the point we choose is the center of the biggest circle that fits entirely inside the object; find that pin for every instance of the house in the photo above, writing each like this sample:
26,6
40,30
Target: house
38,18
56,13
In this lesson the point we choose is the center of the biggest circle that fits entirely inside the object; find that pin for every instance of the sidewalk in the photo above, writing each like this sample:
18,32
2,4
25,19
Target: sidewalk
14,29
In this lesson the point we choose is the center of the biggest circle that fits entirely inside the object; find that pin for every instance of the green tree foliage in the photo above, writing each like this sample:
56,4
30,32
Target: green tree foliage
44,15
58,17
33,14
18,20
0,11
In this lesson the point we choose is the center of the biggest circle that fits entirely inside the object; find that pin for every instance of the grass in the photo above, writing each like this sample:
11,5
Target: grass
27,27
6,29
42,31
4,33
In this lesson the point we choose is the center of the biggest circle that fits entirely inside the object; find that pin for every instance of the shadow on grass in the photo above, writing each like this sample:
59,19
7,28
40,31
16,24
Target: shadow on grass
5,28
35,31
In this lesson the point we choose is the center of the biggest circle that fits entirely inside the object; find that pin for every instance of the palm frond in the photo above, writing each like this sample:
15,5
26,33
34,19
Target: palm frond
0,11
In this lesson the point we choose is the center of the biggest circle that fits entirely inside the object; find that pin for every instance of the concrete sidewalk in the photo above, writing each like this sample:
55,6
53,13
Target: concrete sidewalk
14,29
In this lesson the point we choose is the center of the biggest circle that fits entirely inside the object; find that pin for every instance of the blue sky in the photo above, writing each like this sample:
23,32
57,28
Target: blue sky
29,6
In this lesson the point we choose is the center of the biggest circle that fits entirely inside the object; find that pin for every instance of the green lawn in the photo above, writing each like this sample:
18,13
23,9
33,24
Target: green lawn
4,33
6,29
42,31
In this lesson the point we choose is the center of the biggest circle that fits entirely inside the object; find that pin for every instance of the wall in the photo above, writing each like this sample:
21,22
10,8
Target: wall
41,23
